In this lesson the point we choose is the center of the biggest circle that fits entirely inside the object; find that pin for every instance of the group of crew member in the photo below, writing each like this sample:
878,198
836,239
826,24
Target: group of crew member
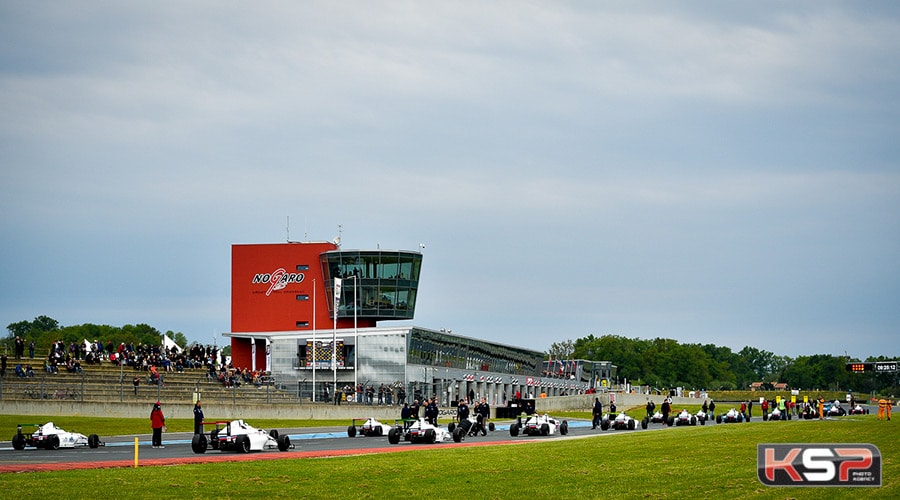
884,408
709,409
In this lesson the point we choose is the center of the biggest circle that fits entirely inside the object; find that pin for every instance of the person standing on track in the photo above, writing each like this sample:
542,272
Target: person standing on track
462,411
484,409
157,421
597,413
198,418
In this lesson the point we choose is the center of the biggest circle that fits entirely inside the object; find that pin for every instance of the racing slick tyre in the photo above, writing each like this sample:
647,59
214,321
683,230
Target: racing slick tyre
430,436
631,424
693,420
394,435
671,421
564,427
284,442
214,440
242,444
604,425
199,443
451,427
491,427
645,423
718,419
747,418
274,434
53,442
513,429
545,429
379,431
702,421
94,441
18,442
351,431
458,435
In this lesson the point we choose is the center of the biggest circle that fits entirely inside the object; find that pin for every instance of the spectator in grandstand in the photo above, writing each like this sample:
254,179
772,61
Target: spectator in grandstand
20,347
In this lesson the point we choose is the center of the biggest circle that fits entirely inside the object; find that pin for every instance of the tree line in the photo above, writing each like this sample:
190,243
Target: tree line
45,330
666,363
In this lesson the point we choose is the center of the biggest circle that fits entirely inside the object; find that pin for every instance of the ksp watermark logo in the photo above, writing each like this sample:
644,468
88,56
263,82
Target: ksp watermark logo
834,464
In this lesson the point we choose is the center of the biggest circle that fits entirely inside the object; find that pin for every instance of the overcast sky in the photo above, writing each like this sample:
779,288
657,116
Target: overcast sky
709,172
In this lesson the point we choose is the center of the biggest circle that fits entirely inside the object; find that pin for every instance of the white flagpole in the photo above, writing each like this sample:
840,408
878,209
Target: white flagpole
314,343
355,335
337,303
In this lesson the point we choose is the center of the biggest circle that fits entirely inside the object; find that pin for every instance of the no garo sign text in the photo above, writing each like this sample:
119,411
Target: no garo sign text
835,464
277,279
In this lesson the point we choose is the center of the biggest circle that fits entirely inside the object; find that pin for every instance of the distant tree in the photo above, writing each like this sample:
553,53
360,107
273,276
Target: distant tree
179,338
562,350
18,329
45,324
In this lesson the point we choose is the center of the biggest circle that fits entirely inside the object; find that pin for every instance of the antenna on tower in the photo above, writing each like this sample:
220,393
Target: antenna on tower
288,229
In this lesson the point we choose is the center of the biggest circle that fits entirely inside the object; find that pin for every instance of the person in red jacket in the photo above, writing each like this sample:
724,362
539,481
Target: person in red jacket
157,422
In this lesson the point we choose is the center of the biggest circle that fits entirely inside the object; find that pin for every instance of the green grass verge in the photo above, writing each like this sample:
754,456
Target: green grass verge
717,461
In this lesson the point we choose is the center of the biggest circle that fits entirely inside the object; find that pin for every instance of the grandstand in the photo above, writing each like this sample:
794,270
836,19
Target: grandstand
109,383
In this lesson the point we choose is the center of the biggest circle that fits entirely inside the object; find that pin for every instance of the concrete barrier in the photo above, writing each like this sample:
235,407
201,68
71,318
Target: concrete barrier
623,402
311,411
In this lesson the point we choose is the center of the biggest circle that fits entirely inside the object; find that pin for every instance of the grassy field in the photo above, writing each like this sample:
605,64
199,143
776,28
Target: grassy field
717,461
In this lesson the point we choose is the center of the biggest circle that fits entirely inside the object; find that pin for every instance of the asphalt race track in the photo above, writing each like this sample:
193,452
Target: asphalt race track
308,442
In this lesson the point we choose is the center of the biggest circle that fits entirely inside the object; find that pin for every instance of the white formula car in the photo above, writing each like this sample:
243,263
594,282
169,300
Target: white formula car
702,417
469,427
859,410
835,410
685,418
777,414
657,418
240,436
368,427
538,425
51,437
731,417
621,422
419,431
